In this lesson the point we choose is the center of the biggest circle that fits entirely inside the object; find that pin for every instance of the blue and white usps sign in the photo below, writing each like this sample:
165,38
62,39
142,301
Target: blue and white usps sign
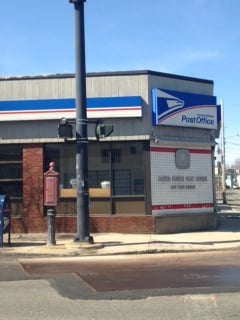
175,108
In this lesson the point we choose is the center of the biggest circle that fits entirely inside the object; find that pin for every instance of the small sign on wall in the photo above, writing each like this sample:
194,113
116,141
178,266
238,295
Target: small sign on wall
188,188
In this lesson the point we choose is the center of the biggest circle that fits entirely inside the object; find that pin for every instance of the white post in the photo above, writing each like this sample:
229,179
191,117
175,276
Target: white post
223,157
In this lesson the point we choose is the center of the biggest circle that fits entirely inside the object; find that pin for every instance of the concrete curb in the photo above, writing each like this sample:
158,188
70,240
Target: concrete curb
70,249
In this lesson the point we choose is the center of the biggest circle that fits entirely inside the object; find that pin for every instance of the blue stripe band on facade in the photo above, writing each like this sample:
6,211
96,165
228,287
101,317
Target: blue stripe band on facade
69,104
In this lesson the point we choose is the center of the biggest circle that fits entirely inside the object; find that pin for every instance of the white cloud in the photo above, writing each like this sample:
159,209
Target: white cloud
195,55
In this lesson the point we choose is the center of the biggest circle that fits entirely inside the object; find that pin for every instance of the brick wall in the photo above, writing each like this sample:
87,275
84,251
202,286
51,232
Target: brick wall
32,216
129,224
123,224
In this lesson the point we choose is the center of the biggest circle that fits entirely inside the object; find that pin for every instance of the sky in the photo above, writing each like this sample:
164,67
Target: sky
196,38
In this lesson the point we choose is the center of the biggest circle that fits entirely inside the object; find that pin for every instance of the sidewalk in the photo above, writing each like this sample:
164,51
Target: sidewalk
226,237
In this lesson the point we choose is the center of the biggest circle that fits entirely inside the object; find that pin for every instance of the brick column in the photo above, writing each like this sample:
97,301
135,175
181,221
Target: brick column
33,188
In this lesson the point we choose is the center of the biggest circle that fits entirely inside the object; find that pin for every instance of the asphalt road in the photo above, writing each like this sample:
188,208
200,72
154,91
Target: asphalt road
159,286
38,300
133,277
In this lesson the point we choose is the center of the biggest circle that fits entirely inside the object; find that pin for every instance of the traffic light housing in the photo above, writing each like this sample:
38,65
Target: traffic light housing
103,130
65,129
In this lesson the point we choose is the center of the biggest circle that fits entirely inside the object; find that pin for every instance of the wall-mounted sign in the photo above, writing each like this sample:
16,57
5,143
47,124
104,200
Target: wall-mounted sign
178,190
104,107
175,108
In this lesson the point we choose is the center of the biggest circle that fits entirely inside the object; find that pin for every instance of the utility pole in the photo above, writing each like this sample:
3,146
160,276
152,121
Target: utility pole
81,127
224,199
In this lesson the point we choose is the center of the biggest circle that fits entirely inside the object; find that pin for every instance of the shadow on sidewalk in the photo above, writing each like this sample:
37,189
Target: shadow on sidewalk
23,244
229,222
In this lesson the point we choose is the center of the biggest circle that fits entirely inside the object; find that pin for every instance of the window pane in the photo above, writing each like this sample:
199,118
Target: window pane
98,164
128,173
11,170
120,163
64,157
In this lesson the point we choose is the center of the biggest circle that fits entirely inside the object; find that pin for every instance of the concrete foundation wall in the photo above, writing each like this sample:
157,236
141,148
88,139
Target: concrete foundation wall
185,223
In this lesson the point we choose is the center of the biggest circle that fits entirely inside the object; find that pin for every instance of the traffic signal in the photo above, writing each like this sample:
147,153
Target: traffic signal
103,130
65,129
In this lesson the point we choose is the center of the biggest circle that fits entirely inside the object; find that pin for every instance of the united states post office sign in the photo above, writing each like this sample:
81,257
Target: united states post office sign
175,108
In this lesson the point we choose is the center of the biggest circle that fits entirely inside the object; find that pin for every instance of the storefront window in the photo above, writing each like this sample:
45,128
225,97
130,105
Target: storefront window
11,171
11,176
120,163
115,171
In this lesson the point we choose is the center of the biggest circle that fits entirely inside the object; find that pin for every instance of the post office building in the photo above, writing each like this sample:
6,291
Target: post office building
153,174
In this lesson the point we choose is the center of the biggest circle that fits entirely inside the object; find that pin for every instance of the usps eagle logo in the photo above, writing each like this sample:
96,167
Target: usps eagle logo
168,103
